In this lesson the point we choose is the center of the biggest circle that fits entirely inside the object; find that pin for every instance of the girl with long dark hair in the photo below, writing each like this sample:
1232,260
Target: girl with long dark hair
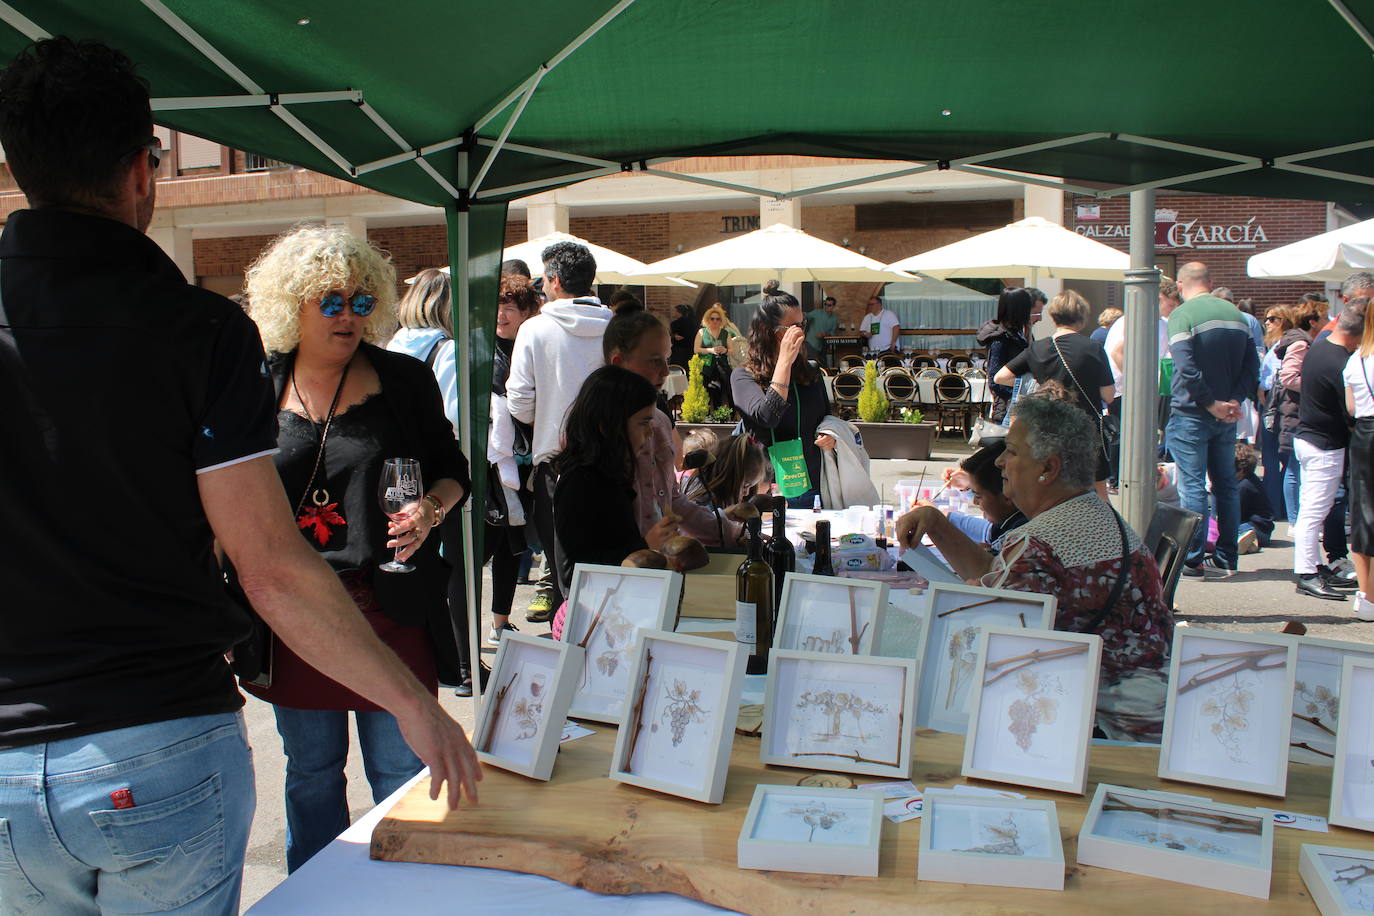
779,394
1005,337
594,505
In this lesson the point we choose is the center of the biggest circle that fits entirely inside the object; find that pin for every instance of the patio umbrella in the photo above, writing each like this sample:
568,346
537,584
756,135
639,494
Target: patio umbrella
1329,257
611,266
778,252
1032,247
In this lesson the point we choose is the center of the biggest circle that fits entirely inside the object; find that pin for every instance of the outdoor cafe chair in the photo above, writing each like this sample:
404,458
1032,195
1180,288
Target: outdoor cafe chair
847,387
959,362
952,402
1171,531
851,363
900,387
674,369
890,361
924,362
928,372
971,372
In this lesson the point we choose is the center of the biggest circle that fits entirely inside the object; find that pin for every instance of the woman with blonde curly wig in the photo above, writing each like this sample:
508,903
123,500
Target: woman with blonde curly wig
323,300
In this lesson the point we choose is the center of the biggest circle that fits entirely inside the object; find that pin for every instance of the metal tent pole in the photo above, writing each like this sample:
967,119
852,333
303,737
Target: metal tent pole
461,271
1140,365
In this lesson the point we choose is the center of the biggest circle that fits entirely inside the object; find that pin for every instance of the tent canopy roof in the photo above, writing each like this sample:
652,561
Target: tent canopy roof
659,79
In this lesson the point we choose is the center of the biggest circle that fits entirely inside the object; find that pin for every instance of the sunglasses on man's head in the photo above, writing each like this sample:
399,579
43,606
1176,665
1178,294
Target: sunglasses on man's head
332,305
153,147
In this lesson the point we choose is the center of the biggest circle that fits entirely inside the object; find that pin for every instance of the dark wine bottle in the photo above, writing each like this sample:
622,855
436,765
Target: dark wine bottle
782,558
823,565
754,602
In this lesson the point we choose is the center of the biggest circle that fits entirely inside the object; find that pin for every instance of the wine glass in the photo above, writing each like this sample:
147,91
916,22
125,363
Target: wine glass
398,488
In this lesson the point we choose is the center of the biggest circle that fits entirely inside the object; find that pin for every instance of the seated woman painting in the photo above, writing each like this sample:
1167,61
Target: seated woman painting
1073,547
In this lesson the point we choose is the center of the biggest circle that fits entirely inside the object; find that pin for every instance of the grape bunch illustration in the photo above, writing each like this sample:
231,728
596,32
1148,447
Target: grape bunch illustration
818,817
684,707
1037,707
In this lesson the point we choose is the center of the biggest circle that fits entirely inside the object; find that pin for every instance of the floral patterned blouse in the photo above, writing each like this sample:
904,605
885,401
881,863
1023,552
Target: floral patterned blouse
1073,551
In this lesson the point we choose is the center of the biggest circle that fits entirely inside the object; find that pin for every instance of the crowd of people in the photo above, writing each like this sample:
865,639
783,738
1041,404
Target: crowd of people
251,504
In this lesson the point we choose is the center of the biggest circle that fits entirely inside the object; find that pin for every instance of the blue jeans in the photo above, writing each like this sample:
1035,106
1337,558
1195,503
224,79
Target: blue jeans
316,746
1273,471
1292,486
805,501
66,850
1204,447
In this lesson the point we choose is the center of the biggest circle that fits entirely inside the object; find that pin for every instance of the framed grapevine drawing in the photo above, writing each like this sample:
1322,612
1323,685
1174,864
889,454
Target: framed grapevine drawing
812,829
949,651
679,721
1032,710
829,614
521,719
608,607
1228,716
1317,697
1352,782
969,839
847,713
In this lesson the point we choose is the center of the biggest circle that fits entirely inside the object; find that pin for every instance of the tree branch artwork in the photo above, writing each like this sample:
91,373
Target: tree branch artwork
835,706
856,635
1224,823
1352,873
1029,658
638,717
497,702
616,625
1229,663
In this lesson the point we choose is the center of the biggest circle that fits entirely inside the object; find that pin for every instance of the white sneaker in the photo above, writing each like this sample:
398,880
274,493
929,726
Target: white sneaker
1364,608
494,637
1341,565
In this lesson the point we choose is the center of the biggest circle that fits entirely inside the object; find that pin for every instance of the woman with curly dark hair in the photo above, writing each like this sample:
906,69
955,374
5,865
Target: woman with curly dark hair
779,394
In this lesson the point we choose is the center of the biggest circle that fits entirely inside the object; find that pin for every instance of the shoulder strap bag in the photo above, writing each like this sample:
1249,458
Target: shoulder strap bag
1103,435
789,463
1122,577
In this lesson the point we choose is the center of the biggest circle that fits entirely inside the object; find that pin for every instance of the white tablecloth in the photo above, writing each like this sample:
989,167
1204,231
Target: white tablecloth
674,385
978,390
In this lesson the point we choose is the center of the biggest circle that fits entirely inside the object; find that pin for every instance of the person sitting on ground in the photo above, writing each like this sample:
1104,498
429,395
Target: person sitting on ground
980,473
1072,548
638,341
1256,515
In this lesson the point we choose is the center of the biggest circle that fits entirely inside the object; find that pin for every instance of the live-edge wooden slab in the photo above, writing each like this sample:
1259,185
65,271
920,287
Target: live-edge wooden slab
585,830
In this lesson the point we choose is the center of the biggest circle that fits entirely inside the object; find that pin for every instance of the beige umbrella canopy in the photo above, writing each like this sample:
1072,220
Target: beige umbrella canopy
1032,248
778,252
612,267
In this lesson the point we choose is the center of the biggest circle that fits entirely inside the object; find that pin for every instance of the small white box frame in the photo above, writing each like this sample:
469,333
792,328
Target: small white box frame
969,839
812,829
1352,781
521,719
1228,715
1340,880
844,713
1033,706
679,721
1179,838
608,607
830,614
949,644
1317,697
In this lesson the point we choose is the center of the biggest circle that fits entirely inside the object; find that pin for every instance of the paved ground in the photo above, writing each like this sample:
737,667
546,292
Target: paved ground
1259,597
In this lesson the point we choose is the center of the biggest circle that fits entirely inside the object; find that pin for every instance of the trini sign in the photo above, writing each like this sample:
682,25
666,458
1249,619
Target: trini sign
1170,233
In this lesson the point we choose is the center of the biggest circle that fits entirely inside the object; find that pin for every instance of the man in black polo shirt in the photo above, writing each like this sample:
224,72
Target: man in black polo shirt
1319,445
138,422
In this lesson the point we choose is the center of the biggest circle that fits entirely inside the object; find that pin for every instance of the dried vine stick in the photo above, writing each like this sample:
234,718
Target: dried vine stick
1313,720
639,711
856,635
1243,661
1030,658
1307,747
968,607
854,757
1360,873
1223,822
497,702
591,629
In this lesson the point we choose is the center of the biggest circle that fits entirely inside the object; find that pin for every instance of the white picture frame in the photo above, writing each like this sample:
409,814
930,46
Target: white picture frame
1179,838
1228,714
812,829
1316,697
1352,778
1033,707
679,722
844,713
971,839
521,718
608,607
1340,880
949,644
830,614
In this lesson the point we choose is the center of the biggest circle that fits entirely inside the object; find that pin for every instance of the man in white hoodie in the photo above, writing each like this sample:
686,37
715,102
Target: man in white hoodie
554,353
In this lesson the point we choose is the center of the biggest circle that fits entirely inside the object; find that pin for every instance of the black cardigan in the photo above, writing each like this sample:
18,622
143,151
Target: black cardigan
593,521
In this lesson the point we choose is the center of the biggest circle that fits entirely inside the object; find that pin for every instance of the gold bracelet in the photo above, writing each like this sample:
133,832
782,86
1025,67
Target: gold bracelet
438,505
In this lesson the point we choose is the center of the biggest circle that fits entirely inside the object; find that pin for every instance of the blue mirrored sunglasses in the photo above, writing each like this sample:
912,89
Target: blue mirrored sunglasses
333,304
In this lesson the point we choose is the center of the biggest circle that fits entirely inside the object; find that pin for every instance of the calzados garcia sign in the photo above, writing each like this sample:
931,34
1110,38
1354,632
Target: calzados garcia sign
1170,233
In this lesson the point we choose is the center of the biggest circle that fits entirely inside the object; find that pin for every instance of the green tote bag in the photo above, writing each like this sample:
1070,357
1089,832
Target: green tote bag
789,464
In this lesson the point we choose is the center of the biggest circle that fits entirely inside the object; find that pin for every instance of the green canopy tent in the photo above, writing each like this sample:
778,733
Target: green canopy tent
469,105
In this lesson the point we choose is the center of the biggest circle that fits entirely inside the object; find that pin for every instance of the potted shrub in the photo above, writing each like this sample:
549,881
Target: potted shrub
696,406
908,437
